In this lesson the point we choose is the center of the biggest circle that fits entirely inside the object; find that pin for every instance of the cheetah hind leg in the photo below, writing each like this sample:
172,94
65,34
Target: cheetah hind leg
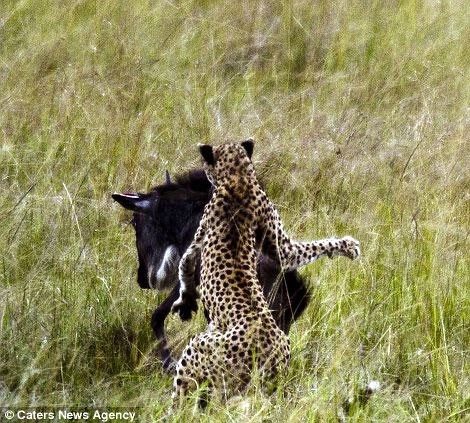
204,395
182,391
179,394
194,369
214,362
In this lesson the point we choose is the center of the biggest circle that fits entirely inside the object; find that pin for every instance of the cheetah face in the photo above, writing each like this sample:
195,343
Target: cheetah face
227,161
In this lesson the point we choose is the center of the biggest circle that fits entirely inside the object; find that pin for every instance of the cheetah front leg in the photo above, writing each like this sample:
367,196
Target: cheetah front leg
293,254
186,303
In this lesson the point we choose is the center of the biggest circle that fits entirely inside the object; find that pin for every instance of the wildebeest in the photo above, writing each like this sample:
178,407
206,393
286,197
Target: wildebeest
165,220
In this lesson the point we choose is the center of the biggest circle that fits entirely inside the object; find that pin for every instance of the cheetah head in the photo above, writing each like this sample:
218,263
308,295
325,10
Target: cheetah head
226,162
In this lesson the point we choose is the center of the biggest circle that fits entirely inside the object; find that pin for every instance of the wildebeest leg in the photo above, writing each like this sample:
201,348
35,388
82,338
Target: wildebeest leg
286,293
158,326
295,298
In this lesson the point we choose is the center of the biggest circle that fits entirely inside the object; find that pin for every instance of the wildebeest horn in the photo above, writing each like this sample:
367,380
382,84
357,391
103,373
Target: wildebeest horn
133,201
167,177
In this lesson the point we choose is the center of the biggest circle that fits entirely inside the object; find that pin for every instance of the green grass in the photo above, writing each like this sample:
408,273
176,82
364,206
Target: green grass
360,113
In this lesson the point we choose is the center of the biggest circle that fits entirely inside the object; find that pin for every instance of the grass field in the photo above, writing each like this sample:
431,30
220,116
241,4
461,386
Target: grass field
360,111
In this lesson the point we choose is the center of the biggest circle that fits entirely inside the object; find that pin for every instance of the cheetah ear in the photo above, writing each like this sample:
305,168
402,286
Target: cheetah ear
207,153
248,145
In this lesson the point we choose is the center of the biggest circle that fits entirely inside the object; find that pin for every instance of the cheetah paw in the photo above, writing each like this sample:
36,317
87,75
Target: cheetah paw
351,247
185,305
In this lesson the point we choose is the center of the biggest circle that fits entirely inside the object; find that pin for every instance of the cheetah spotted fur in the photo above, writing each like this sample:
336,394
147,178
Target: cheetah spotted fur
238,219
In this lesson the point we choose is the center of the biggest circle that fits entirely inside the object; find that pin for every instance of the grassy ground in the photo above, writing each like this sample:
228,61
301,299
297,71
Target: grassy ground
360,112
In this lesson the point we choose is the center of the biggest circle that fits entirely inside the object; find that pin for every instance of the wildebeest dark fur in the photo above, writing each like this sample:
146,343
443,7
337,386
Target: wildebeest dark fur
165,220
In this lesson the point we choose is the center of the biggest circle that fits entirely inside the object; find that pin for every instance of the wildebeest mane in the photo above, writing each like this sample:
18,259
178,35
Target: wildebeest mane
193,181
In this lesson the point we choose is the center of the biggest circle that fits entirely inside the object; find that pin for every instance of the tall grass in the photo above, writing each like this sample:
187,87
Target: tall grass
360,112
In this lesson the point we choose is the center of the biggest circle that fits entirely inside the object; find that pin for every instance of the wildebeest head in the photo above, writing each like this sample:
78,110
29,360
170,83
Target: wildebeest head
165,220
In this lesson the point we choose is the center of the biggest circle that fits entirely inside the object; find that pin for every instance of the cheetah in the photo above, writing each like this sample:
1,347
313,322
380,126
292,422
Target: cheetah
242,334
